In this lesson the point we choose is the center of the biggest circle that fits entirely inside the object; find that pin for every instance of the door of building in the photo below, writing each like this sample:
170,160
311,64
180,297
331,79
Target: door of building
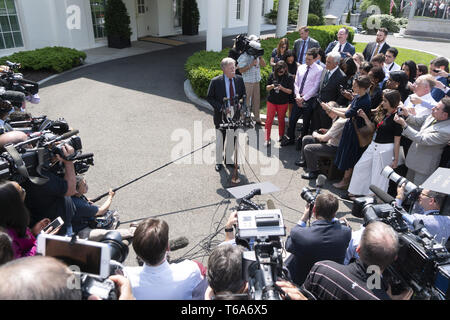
142,18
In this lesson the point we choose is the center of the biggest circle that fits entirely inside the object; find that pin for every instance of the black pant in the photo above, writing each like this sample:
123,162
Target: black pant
320,119
297,112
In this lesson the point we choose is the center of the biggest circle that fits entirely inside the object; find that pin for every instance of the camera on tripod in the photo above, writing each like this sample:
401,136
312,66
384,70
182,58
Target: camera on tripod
260,231
96,261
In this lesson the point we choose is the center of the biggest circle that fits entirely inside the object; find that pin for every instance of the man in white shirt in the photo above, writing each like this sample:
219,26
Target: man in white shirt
344,48
422,88
158,279
389,62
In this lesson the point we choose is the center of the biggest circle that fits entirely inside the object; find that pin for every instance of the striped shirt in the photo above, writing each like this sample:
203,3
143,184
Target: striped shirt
329,280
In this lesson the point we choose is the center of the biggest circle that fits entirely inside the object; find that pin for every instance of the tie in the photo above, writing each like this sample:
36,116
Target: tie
300,58
231,93
327,77
376,50
303,81
340,47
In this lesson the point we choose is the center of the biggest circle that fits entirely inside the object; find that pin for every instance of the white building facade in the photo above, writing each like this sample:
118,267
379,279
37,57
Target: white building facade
32,24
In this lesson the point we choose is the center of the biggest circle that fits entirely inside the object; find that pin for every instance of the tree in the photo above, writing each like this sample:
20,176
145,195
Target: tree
190,17
117,24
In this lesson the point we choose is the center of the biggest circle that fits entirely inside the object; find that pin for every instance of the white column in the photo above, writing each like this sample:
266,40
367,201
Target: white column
303,10
282,18
214,30
254,17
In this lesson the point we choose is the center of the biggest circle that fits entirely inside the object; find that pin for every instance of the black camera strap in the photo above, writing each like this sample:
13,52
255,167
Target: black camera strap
22,169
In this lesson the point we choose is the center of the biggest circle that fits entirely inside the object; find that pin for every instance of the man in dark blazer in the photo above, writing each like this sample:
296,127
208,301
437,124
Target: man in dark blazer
331,80
379,46
304,43
230,86
325,239
341,45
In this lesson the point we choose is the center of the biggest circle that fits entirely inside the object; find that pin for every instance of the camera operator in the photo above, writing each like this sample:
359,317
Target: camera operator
325,239
225,274
428,143
158,279
428,209
329,280
46,278
250,68
51,199
85,211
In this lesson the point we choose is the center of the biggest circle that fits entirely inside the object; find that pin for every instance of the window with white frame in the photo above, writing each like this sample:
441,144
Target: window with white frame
141,6
98,18
11,36
238,9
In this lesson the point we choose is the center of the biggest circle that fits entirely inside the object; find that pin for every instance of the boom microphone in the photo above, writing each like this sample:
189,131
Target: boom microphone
178,243
386,198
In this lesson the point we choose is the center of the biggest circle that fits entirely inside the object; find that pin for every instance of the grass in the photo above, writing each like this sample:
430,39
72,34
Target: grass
404,55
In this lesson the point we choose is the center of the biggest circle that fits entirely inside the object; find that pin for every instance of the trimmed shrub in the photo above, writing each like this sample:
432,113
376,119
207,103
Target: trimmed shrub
385,20
202,66
313,20
54,59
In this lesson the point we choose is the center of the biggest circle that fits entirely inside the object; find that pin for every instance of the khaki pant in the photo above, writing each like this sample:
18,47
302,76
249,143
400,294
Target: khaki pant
253,97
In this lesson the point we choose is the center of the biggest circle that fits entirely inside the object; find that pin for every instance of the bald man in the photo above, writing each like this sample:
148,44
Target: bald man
12,137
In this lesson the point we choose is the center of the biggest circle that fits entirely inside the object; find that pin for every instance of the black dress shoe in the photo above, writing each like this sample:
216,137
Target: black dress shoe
219,167
287,142
301,163
310,175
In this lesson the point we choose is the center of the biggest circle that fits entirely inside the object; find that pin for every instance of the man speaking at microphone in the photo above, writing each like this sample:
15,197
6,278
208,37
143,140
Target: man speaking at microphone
325,239
223,91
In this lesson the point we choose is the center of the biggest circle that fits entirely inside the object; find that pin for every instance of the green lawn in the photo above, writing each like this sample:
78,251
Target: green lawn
404,55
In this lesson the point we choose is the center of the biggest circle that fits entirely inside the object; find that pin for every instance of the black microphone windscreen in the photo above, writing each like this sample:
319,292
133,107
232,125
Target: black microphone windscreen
68,134
386,198
178,243
321,179
257,191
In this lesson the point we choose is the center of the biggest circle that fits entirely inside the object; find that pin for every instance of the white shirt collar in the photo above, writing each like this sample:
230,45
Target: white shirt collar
332,71
156,269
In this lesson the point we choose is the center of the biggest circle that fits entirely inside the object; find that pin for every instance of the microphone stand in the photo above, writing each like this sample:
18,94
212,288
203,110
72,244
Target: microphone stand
235,178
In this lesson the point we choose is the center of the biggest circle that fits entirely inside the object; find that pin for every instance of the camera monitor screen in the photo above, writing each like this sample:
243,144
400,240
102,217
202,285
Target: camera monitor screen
87,258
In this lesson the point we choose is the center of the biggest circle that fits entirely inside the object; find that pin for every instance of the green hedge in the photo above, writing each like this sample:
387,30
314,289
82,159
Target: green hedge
202,66
54,59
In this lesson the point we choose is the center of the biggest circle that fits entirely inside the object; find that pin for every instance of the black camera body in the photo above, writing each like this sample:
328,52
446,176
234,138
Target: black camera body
260,232
422,263
42,123
242,44
310,195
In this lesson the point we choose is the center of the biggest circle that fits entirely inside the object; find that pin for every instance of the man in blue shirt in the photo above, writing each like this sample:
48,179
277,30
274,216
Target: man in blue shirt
302,45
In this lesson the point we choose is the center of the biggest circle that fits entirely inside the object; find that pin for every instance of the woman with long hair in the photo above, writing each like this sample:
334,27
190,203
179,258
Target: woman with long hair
384,149
410,69
398,80
292,69
376,76
349,151
15,217
280,86
279,52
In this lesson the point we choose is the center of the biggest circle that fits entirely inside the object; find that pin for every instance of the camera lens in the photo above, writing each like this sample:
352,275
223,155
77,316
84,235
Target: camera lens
307,195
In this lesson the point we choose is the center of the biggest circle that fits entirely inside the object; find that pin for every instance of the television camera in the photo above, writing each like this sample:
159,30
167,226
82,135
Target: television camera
28,159
422,263
260,231
242,43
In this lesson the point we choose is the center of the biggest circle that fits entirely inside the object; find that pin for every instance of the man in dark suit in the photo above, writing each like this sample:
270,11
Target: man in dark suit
302,45
230,86
379,46
331,80
341,45
325,239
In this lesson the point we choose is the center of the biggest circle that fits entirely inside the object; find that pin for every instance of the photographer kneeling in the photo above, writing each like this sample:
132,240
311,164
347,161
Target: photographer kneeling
325,239
86,211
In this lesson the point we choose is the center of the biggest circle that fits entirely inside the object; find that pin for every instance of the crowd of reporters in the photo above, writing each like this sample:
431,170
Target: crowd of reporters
345,92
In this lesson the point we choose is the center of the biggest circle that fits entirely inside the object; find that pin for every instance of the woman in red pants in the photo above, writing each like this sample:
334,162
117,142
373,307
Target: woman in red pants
280,85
